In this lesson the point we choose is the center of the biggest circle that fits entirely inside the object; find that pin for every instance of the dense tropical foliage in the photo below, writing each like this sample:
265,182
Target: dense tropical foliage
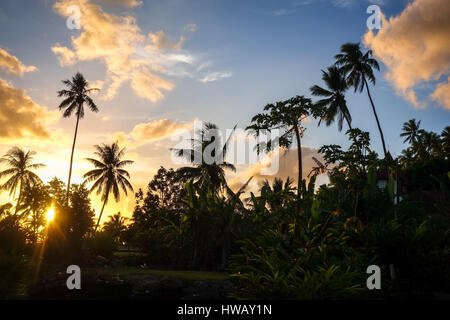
288,240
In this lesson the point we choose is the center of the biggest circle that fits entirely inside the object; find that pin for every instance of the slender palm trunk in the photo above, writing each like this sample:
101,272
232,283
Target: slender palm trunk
71,158
300,163
376,116
18,199
100,216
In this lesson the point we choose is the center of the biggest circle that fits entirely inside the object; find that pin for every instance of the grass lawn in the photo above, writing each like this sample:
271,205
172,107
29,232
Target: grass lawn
180,274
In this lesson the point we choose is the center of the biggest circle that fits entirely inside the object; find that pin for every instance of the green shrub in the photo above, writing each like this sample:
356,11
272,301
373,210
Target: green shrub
102,244
276,266
12,271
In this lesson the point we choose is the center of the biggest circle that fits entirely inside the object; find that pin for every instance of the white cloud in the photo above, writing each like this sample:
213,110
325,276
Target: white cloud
214,76
192,27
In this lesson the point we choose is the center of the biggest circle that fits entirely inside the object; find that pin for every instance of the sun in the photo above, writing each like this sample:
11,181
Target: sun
50,214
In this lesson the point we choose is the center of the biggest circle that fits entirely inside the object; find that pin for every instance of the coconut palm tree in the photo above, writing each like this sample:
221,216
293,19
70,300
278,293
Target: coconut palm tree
286,116
445,138
205,172
358,68
411,131
334,99
20,164
116,225
108,175
76,95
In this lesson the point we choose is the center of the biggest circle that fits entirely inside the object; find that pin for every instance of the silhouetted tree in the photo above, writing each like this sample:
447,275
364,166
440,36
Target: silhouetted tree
76,95
284,115
108,175
20,164
358,68
205,172
334,104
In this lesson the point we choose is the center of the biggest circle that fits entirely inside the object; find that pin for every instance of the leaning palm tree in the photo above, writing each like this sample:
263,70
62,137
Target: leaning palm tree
358,68
411,131
20,164
205,172
76,95
333,103
318,170
108,175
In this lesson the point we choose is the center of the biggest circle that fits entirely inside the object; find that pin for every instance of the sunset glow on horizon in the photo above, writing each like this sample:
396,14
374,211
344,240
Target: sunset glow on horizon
162,65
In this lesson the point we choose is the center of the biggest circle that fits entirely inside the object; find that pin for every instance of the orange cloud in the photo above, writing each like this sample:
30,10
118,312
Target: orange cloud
442,94
151,131
114,40
128,53
20,116
415,47
149,86
11,65
66,57
161,42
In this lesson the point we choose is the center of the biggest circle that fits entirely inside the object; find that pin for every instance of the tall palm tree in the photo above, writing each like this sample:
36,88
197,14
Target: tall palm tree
204,172
109,175
358,68
76,95
334,99
411,131
20,164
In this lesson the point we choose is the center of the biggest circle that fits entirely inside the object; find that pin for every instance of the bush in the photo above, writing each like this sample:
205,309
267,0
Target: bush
276,266
102,244
12,271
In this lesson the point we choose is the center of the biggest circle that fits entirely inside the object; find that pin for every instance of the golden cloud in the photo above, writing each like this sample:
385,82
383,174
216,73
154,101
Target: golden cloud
11,65
66,57
442,94
149,86
161,42
151,131
114,40
20,116
415,47
128,53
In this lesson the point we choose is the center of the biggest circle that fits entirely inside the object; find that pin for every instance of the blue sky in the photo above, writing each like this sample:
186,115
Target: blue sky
265,51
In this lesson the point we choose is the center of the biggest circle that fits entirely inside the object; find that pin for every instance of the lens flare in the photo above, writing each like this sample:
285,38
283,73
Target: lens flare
50,214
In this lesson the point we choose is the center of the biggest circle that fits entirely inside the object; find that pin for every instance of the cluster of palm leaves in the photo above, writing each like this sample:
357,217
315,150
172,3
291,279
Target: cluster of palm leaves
352,68
424,145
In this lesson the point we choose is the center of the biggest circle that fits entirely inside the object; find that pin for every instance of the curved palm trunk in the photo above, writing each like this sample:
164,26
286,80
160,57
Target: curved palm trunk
100,216
376,116
71,158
